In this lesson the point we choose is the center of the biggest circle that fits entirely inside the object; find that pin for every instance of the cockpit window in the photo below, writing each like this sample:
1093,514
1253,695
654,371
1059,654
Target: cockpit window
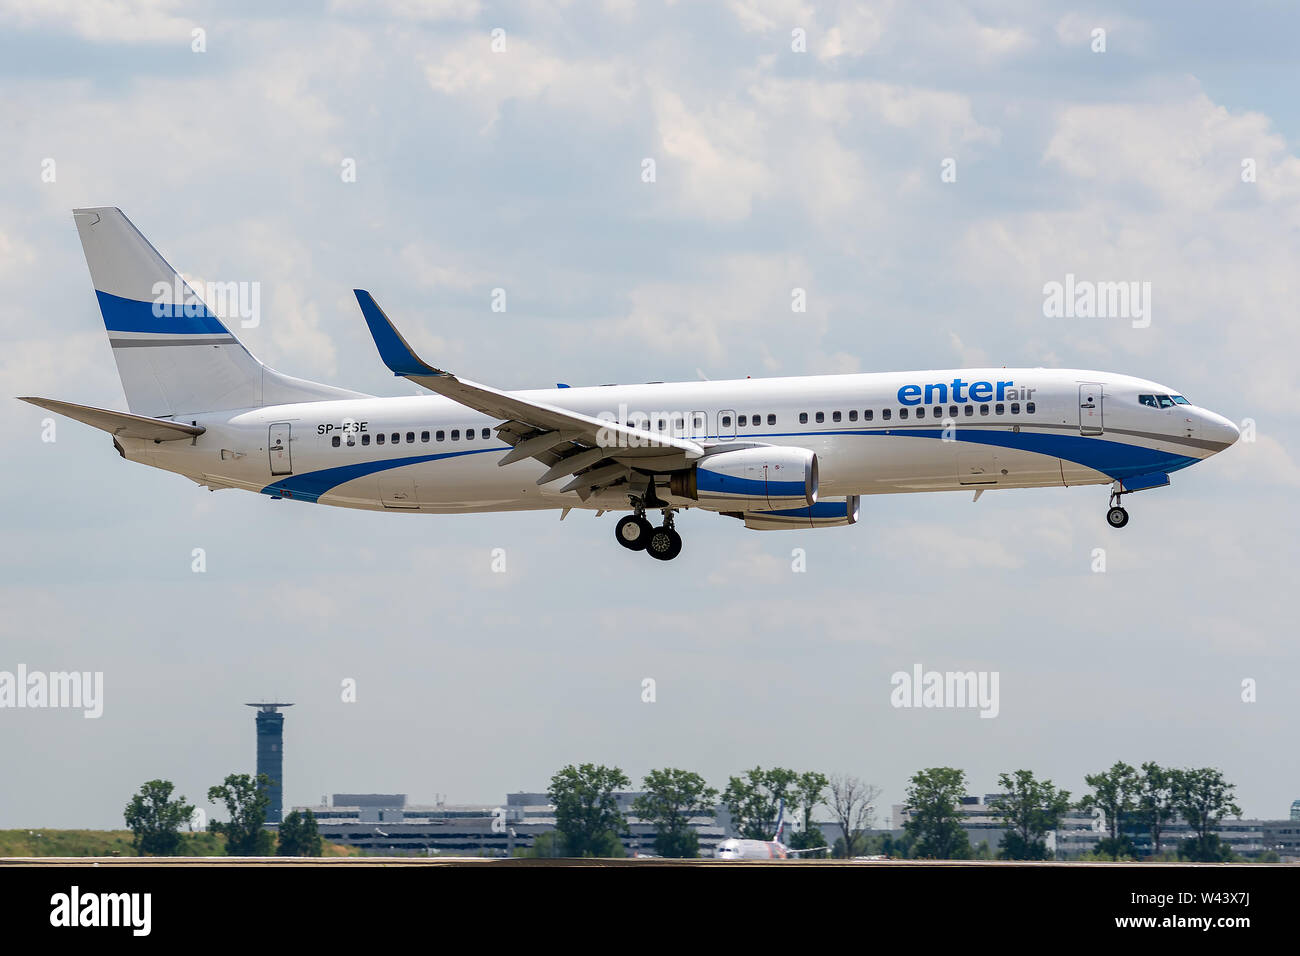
1148,400
1165,401
1179,400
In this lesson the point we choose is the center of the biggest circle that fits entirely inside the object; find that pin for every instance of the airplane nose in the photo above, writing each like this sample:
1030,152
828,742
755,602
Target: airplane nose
1219,429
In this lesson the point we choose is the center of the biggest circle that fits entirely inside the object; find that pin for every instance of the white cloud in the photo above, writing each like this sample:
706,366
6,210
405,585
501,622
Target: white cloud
710,160
1187,152
1074,30
417,10
743,299
104,21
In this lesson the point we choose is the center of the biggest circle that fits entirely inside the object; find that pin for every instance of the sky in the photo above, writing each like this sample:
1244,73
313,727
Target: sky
782,160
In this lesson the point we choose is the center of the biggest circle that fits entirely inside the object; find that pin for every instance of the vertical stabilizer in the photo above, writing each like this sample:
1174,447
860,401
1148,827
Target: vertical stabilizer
174,356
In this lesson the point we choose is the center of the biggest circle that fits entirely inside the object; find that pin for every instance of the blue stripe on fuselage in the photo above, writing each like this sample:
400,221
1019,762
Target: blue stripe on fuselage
311,485
1115,459
132,315
1112,458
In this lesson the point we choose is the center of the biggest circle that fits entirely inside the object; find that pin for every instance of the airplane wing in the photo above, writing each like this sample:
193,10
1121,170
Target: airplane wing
809,849
119,423
595,452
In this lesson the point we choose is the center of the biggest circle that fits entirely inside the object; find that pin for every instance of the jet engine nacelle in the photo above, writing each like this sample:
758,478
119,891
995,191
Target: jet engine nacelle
830,513
762,478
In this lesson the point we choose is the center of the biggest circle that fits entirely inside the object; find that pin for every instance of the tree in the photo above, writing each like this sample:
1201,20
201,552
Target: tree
1029,808
586,811
671,798
246,800
754,800
806,794
299,835
1202,797
851,802
1155,801
1113,793
155,819
933,822
545,846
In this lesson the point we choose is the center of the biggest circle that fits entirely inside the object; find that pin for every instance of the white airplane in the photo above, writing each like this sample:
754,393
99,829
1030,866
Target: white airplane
778,453
773,849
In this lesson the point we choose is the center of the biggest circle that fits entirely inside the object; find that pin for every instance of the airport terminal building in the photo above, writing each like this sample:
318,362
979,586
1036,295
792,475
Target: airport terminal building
385,824
1080,830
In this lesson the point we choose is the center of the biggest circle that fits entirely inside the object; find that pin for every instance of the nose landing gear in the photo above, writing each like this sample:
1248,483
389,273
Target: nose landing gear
1116,517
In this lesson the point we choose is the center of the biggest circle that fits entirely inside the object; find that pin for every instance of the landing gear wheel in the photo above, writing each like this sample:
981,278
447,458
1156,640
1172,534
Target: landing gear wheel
1117,517
664,543
633,532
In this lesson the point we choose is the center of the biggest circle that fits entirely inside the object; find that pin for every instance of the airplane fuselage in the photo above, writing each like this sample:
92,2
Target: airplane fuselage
873,433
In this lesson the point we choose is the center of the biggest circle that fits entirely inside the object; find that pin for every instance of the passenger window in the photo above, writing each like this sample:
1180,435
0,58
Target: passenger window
803,418
487,432
424,436
952,411
835,416
455,434
397,436
902,413
663,424
365,439
726,421
351,440
440,435
853,414
379,439
742,420
1148,400
984,409
868,415
410,437
885,413
821,417
920,412
999,409
970,410
1029,408
469,434
335,441
1015,408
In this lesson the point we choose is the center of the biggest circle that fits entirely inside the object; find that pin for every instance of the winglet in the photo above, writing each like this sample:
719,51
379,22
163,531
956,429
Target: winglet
396,354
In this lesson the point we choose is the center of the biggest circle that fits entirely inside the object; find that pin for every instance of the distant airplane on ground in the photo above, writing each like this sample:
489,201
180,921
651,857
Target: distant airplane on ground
779,453
773,849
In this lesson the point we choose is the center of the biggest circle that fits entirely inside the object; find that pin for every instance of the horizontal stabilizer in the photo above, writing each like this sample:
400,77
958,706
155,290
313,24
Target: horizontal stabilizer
119,423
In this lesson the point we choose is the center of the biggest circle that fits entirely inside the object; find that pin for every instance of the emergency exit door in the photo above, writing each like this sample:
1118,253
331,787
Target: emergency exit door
278,449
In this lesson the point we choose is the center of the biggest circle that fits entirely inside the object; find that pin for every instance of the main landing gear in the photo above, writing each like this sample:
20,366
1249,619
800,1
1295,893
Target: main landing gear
635,533
1116,517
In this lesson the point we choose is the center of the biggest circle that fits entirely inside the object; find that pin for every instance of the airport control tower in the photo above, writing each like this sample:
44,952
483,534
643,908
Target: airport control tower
270,753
